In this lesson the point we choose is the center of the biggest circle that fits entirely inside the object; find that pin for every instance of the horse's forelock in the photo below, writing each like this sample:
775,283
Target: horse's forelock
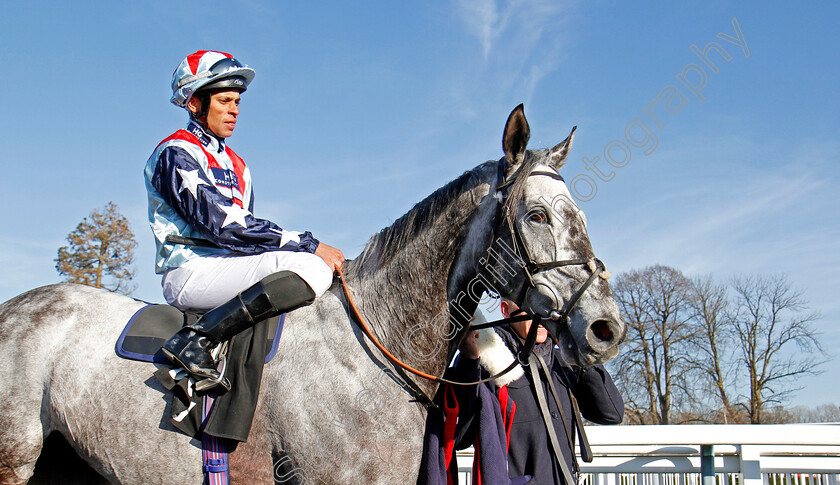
516,193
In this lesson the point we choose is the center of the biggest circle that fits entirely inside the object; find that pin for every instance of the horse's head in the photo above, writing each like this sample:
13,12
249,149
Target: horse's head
542,258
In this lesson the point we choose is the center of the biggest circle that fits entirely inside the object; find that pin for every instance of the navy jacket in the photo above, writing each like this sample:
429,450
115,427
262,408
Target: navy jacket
529,457
199,188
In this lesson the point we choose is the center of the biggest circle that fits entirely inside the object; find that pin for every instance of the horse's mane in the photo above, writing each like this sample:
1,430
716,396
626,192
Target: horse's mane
383,246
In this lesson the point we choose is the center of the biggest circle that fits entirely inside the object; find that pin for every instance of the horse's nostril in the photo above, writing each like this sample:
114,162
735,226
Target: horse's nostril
602,330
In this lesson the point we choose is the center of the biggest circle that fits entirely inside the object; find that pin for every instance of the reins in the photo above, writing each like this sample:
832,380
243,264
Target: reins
532,336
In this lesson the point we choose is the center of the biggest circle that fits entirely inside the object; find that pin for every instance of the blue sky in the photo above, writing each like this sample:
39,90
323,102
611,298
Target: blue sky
361,109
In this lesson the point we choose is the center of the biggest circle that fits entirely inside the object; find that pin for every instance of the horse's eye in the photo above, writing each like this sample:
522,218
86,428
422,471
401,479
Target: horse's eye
537,217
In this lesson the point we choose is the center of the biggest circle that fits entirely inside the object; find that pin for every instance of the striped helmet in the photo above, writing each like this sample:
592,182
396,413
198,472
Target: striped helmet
208,70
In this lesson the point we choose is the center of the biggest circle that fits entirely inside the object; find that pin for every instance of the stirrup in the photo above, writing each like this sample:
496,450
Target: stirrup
221,380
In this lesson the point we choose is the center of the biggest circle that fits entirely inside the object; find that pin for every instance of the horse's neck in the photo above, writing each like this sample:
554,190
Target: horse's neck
405,299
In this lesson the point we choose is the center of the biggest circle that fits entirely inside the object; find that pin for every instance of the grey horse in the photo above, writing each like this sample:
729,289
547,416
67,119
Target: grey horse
332,409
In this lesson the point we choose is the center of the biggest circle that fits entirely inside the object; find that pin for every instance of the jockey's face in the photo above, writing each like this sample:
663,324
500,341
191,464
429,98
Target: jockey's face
509,308
222,113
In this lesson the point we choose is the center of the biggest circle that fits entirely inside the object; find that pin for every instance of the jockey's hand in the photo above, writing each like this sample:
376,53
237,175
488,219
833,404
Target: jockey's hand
469,346
332,256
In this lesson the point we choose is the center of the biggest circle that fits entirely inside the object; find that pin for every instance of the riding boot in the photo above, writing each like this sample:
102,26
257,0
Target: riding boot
191,348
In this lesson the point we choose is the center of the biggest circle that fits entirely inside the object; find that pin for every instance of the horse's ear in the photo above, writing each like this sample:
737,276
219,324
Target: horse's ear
515,139
558,153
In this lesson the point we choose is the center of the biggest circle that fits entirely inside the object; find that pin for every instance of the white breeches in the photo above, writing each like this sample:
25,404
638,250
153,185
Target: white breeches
207,282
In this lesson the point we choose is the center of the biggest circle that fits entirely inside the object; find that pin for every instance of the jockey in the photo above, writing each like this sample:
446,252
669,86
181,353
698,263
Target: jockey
244,269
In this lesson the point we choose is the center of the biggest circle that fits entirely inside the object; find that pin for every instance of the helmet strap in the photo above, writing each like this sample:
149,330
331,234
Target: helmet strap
201,116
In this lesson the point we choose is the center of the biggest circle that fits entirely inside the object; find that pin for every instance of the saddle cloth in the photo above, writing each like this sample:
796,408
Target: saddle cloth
151,326
232,412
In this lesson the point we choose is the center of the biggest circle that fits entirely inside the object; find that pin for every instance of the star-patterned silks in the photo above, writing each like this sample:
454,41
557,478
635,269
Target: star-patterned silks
189,197
190,180
234,214
290,236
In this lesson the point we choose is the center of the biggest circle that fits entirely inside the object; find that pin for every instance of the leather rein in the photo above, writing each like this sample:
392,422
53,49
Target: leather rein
396,361
531,267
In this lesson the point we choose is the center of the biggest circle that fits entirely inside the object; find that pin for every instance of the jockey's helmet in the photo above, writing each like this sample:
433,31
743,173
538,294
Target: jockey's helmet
206,70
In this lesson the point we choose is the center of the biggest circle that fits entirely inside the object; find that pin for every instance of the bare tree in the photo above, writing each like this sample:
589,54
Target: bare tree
715,341
654,369
100,252
824,413
773,322
634,368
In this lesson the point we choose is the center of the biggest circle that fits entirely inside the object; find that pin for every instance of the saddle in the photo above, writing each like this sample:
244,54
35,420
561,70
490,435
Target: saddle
232,412
151,326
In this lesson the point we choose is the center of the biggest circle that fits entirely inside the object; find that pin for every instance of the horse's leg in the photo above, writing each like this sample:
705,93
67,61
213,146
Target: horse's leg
23,367
19,451
21,431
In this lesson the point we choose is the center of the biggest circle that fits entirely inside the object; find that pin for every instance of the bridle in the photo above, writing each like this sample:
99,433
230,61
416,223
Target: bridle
531,268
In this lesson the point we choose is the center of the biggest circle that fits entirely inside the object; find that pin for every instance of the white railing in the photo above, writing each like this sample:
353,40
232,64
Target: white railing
782,454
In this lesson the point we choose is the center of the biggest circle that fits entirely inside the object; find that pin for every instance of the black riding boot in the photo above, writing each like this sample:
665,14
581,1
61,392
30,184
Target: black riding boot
190,348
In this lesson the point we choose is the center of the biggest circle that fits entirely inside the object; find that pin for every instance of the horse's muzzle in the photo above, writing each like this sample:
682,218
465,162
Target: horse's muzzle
603,336
599,342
